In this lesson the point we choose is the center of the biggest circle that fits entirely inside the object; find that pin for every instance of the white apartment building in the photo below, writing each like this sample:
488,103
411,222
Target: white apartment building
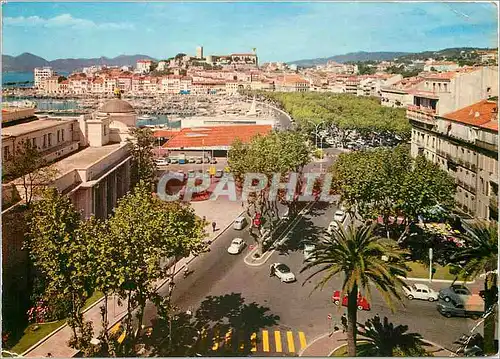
465,144
440,66
162,66
143,66
456,126
398,94
41,73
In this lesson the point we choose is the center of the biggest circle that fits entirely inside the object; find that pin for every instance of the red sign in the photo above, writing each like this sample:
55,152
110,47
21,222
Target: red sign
329,317
256,222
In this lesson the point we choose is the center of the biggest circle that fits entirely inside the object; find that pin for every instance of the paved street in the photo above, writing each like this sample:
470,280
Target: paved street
299,309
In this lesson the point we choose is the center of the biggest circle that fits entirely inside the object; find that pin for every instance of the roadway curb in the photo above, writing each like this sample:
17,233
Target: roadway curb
268,255
437,280
312,342
55,331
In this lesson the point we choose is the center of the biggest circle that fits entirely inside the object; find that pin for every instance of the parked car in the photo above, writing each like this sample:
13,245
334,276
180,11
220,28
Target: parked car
239,223
420,291
283,272
213,160
236,246
460,310
161,162
199,161
219,173
286,215
339,216
333,225
191,173
362,301
191,160
206,160
308,251
457,293
174,160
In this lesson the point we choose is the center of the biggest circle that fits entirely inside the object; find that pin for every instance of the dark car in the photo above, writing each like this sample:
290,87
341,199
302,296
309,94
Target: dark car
456,293
449,310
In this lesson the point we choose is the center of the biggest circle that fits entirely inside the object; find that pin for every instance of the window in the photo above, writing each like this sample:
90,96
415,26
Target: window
58,136
105,130
445,87
62,135
50,139
6,153
33,142
44,141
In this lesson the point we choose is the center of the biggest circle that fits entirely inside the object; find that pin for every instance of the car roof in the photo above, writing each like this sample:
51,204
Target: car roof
421,286
237,239
240,218
339,211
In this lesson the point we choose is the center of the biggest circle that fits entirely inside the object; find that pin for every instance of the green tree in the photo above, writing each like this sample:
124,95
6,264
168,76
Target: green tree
141,149
356,253
480,252
146,231
389,183
383,339
30,169
277,152
58,249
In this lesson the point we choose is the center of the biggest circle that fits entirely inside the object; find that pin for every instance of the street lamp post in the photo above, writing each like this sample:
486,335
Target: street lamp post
316,131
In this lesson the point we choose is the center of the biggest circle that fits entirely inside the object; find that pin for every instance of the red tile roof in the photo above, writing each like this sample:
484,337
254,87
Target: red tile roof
215,136
165,133
483,114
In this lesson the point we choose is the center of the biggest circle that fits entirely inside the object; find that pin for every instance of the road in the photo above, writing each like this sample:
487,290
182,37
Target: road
302,311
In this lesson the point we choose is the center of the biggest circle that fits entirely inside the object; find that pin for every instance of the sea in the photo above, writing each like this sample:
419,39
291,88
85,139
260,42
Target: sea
19,78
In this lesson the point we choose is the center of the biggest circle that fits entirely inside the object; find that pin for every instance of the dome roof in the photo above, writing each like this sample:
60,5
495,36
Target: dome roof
116,106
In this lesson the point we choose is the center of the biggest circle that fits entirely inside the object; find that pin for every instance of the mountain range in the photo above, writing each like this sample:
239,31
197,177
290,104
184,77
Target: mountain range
351,57
26,62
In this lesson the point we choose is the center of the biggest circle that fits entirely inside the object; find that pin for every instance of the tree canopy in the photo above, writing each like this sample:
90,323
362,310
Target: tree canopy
364,114
141,149
389,182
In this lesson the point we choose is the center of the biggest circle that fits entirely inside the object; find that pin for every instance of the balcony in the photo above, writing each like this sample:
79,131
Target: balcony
493,201
421,114
487,146
464,185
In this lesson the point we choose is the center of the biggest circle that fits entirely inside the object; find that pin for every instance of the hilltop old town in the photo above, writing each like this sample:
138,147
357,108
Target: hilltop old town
211,204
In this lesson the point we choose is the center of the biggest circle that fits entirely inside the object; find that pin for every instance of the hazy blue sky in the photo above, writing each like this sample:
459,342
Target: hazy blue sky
279,31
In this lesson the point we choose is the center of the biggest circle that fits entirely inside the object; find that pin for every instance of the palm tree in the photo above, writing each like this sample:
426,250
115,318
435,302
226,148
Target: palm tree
357,253
386,340
480,251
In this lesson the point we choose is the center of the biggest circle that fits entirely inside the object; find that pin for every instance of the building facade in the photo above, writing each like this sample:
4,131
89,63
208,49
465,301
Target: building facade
41,73
464,143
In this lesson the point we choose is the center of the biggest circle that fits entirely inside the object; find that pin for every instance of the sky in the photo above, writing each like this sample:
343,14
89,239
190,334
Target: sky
279,31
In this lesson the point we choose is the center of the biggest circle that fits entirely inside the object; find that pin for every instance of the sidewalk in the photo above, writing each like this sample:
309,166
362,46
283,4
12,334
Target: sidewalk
325,344
222,211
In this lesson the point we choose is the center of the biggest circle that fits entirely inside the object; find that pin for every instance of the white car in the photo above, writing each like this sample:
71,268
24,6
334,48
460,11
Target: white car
308,251
333,225
236,246
339,216
420,291
282,271
239,223
161,162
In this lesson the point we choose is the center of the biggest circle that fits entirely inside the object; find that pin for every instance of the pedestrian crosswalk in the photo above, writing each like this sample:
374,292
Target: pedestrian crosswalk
265,341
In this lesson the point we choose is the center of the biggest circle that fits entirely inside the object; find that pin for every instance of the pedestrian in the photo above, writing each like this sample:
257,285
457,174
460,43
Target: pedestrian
49,355
214,225
272,271
343,319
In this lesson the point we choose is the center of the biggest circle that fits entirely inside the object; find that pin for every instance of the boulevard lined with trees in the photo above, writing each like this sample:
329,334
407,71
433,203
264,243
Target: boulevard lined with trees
344,111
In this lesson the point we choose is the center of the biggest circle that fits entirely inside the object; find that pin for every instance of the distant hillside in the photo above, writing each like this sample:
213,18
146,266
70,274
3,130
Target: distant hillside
351,57
27,62
450,53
